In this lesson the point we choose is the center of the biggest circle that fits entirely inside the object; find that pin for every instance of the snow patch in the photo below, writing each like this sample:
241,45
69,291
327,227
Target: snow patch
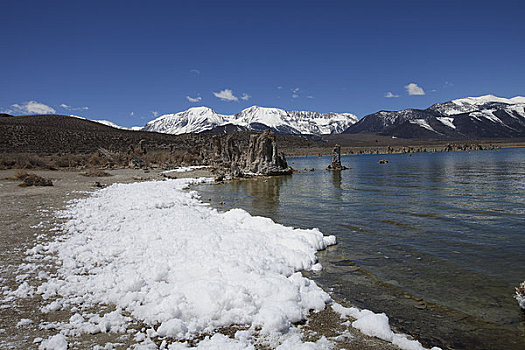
422,123
185,169
487,114
377,325
481,100
24,322
56,342
155,251
447,121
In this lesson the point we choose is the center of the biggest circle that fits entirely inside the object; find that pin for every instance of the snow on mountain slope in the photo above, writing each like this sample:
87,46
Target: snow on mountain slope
447,121
194,120
116,126
327,123
481,100
470,104
108,123
422,123
256,118
382,120
483,116
274,118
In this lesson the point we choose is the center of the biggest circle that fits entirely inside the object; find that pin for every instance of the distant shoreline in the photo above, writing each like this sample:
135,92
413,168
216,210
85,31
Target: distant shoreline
397,146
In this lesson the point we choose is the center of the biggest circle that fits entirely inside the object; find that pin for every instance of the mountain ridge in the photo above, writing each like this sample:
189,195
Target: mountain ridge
468,117
254,118
484,116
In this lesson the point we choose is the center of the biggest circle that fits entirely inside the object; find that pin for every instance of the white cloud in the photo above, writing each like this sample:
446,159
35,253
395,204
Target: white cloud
191,99
132,114
296,90
226,95
155,113
390,95
295,96
195,71
31,107
310,97
245,97
414,89
279,87
70,108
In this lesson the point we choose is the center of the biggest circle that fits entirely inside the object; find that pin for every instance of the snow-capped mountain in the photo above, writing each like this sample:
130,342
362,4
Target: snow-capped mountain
255,118
470,117
382,120
471,104
194,120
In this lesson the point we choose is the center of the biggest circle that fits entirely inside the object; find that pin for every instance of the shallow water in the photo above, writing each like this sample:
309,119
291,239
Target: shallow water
436,240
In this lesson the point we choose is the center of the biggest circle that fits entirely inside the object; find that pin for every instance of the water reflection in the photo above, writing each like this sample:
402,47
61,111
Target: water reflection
336,178
444,227
261,195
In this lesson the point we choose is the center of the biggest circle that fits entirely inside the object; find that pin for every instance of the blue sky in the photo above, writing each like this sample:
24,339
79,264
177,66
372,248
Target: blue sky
127,61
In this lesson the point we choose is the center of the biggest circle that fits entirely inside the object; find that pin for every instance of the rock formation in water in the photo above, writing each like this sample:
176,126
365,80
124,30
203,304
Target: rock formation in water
336,160
261,157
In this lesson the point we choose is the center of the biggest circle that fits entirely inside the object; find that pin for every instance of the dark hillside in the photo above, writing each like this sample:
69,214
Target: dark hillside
48,134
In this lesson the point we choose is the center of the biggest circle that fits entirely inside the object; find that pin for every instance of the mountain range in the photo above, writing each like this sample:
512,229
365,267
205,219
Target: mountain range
470,117
255,118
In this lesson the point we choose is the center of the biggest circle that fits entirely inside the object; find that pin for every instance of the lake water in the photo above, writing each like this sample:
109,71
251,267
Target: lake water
435,240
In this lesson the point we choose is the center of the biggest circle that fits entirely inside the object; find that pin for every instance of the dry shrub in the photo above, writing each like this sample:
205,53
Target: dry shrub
29,161
177,157
191,159
7,162
31,179
121,158
69,160
96,160
101,158
20,175
160,157
96,173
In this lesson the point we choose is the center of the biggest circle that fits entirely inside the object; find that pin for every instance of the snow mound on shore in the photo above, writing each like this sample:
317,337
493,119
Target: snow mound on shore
160,254
376,325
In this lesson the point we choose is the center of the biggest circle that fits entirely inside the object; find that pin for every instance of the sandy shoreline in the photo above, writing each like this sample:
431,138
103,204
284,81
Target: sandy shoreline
29,213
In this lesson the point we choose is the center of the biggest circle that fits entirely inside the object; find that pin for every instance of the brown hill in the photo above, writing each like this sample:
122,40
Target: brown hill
48,134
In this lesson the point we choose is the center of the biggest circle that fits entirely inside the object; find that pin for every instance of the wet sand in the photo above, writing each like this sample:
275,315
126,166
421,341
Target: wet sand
27,216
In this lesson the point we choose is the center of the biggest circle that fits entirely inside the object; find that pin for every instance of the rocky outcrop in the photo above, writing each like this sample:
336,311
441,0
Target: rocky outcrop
263,157
336,160
260,157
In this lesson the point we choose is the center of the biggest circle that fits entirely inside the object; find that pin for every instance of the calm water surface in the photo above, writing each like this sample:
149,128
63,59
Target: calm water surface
435,240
